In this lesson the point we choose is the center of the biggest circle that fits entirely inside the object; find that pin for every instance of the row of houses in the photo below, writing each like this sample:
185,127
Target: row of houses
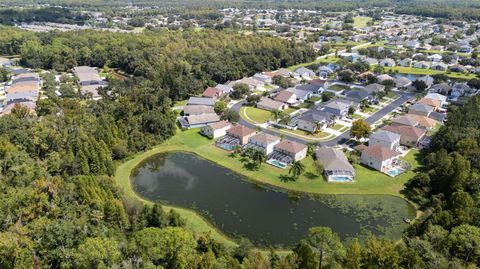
407,130
24,89
280,153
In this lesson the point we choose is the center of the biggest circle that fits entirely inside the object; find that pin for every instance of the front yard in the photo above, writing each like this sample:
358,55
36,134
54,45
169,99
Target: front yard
254,115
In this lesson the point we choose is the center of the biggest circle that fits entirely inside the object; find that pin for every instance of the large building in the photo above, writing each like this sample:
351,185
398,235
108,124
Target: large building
89,81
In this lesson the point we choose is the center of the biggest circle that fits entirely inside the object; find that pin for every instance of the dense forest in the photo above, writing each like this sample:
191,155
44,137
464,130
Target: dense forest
13,16
60,208
449,9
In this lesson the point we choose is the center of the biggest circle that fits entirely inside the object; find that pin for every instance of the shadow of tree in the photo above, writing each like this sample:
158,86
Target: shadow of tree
287,178
311,175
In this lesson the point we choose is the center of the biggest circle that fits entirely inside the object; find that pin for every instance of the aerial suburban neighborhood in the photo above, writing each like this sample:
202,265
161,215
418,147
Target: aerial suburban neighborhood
240,134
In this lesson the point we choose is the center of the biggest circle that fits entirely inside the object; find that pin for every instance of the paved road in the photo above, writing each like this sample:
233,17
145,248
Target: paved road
344,137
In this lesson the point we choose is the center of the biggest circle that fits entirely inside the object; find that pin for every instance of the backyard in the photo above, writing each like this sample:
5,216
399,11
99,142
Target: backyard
421,71
367,181
361,21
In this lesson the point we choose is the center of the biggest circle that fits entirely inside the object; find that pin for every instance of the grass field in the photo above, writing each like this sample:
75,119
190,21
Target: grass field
326,60
360,21
255,115
337,88
367,181
420,71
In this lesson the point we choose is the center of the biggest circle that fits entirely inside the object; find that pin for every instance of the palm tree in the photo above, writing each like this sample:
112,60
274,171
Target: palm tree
296,169
318,126
276,114
311,146
258,157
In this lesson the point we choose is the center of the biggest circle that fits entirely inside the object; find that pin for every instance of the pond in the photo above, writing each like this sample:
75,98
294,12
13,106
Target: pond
264,215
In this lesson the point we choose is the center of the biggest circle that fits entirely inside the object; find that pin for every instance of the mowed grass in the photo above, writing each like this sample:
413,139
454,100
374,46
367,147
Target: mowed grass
255,115
368,181
421,71
361,21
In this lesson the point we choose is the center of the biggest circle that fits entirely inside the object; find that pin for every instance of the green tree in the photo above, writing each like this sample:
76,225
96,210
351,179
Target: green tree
97,253
326,244
296,169
360,129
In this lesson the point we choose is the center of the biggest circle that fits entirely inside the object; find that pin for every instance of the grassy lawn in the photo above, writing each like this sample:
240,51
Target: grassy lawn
338,126
369,110
255,115
367,181
360,21
314,98
337,88
326,60
420,71
305,105
307,135
356,116
180,103
290,110
434,129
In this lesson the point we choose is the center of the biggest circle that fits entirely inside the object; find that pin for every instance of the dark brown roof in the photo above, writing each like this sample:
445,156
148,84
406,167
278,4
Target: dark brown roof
379,152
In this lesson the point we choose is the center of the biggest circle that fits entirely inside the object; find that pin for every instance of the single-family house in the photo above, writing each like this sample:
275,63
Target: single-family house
439,66
324,71
271,105
405,62
409,135
443,88
305,72
89,81
284,72
422,65
379,157
385,139
193,101
263,141
427,79
216,129
387,62
301,95
335,165
197,110
465,49
374,88
436,58
383,77
421,109
436,104
458,68
314,88
412,44
337,108
196,121
296,151
252,83
241,132
263,77
402,82
437,96
225,88
357,95
286,97
212,92
312,120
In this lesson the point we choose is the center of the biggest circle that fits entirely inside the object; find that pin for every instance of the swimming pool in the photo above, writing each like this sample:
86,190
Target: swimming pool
226,147
277,164
395,172
340,179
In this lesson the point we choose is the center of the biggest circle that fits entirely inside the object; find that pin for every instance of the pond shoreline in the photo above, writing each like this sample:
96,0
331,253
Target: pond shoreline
124,171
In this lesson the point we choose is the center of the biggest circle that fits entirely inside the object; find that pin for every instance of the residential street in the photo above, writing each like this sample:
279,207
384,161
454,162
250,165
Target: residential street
341,139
